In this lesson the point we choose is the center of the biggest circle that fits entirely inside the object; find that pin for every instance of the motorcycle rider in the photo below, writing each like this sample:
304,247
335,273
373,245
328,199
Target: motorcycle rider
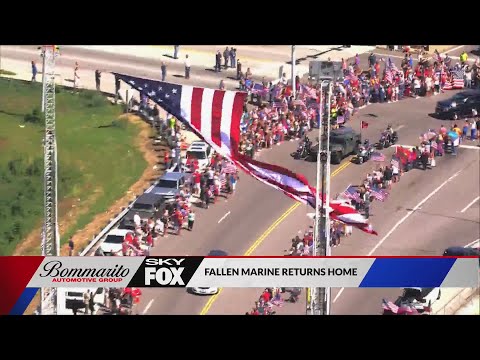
390,132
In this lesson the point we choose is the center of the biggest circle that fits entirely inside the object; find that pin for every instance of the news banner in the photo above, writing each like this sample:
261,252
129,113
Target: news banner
239,272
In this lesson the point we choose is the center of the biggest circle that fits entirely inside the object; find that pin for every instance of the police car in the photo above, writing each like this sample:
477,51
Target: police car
200,151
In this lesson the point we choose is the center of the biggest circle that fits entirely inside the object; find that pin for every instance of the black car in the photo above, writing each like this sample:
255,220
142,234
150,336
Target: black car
461,251
147,205
459,105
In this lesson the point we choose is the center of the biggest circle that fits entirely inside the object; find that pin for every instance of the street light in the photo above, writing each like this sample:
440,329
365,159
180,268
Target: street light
322,242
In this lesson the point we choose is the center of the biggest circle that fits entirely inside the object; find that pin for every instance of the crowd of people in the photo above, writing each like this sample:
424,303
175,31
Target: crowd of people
278,115
376,186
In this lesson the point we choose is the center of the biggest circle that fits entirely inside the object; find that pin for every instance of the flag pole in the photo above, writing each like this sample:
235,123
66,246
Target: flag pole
294,86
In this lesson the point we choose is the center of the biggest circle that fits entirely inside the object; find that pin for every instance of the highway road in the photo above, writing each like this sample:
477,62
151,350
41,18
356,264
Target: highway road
258,220
145,61
247,222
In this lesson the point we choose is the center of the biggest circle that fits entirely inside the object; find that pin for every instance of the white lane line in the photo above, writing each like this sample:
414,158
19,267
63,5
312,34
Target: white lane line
224,217
410,212
402,220
476,242
149,305
338,295
470,204
472,147
454,49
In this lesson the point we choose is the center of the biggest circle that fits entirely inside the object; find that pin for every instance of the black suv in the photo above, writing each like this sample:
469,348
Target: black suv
458,106
146,206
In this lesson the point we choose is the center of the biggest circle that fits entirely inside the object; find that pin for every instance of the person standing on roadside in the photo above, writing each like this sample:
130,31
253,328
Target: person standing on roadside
176,49
98,75
71,247
76,77
86,301
226,56
239,70
163,68
233,55
91,304
187,67
34,72
191,220
218,61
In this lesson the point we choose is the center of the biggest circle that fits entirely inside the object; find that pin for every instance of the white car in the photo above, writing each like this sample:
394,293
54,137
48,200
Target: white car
201,151
70,298
209,290
112,245
205,290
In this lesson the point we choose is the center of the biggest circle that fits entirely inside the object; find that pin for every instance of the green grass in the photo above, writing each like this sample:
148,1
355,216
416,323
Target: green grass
98,159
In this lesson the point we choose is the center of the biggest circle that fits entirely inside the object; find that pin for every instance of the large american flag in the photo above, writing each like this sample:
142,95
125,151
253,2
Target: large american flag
215,115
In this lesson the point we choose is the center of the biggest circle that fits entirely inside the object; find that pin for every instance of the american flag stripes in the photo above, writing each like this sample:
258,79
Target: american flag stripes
377,156
434,145
379,194
309,91
215,116
229,169
298,103
389,306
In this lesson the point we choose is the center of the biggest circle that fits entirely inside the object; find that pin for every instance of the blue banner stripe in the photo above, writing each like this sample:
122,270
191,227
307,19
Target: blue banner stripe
400,273
23,302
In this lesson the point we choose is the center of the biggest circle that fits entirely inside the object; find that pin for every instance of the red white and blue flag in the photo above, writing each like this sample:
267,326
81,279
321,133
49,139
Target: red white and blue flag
352,193
215,115
377,156
379,194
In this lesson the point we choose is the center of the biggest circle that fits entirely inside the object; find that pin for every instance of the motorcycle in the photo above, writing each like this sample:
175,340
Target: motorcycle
387,139
303,150
363,153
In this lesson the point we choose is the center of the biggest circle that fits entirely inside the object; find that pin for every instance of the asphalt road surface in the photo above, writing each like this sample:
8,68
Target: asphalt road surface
255,207
258,220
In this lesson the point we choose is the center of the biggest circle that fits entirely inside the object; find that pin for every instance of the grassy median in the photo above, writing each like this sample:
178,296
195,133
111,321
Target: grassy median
98,160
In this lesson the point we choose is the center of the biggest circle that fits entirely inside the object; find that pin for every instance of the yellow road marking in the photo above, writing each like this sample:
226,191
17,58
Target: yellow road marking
267,232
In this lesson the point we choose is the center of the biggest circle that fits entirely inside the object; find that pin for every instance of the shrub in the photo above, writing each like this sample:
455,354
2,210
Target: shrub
15,167
35,117
120,123
16,210
96,101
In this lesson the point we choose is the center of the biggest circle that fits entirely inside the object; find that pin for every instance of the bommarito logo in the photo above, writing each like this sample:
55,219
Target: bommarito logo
58,273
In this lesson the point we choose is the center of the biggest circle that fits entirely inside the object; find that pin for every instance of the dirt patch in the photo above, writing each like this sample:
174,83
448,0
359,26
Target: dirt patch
3,143
70,209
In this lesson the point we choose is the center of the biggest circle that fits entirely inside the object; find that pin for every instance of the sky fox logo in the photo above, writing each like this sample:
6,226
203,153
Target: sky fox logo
169,274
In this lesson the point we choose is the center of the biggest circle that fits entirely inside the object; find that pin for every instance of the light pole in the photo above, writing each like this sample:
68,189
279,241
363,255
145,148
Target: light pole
320,297
294,63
